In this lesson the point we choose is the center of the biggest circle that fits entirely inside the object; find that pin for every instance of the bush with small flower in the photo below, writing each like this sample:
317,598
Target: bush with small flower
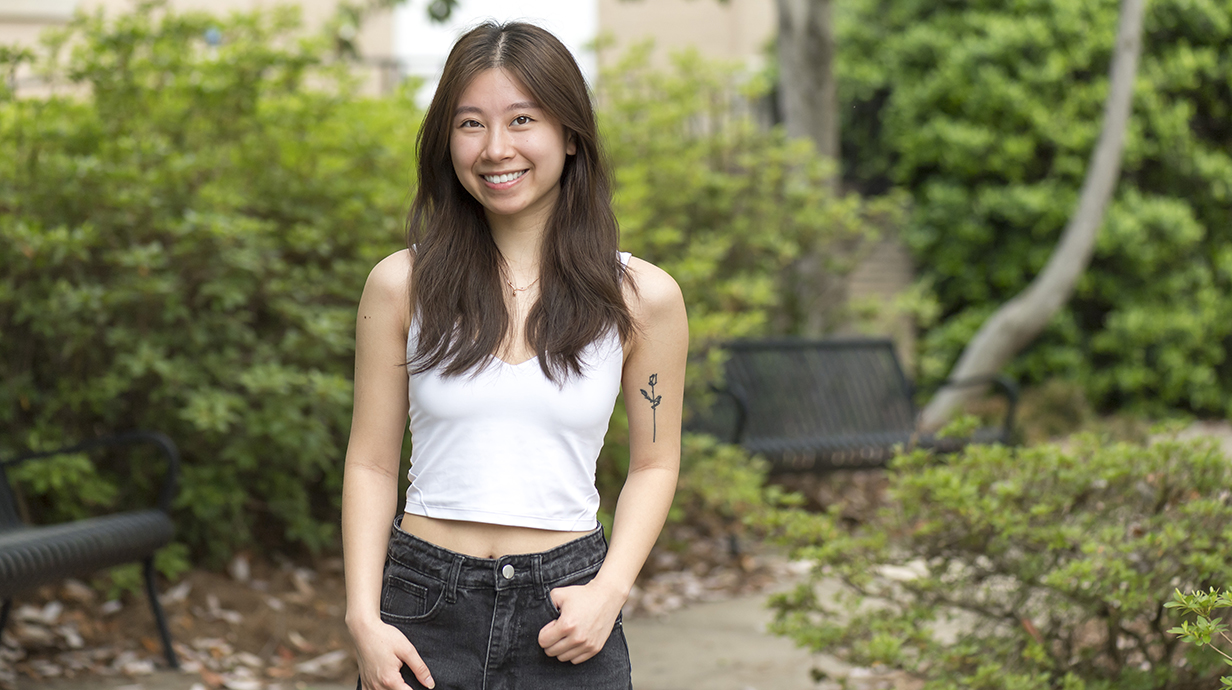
1038,568
1207,629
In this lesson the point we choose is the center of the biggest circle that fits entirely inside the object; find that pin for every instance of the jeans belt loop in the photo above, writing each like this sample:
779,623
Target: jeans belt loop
536,568
451,588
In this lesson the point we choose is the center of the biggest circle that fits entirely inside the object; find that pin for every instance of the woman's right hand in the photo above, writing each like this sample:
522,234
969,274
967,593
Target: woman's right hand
382,650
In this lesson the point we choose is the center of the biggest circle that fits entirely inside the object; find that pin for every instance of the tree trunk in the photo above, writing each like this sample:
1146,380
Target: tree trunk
808,91
1021,319
808,103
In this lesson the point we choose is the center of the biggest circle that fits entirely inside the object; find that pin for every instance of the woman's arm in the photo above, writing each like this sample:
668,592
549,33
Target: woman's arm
370,478
653,386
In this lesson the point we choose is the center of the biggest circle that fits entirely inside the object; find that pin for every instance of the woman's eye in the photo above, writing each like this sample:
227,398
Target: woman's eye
521,120
469,123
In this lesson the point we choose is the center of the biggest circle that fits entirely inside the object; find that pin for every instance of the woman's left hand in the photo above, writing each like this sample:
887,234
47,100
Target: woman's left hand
587,615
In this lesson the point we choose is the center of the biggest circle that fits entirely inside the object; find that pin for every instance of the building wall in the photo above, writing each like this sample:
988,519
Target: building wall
737,30
22,21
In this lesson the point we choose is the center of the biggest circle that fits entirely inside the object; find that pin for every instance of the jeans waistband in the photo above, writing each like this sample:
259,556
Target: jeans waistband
515,570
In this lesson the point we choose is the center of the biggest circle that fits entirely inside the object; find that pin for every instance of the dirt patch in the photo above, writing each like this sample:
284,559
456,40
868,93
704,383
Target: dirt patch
271,623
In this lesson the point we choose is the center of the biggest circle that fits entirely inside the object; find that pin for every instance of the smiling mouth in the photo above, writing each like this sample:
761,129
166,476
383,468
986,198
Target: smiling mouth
506,177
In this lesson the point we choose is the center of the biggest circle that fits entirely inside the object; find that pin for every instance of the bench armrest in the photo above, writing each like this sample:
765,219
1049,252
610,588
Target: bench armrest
167,491
1004,386
742,410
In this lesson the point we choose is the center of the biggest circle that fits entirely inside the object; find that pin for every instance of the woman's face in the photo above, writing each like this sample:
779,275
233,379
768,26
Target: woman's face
507,152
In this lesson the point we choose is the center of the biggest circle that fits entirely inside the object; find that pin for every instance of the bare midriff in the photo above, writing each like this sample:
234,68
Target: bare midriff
484,540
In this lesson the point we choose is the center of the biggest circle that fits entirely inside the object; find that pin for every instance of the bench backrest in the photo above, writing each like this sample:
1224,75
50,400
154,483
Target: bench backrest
818,405
811,388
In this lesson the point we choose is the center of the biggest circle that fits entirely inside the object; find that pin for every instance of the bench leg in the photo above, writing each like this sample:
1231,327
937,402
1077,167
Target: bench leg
161,619
4,613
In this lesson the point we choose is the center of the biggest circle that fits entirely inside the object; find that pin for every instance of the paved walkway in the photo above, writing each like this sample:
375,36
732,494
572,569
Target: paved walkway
716,646
711,646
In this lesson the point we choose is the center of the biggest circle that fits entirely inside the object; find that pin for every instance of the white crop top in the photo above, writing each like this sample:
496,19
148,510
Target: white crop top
506,445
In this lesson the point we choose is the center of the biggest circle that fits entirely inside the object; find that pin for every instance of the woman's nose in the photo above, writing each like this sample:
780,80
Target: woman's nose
499,146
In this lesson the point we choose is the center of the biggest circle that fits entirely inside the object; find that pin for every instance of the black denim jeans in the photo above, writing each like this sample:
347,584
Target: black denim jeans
476,621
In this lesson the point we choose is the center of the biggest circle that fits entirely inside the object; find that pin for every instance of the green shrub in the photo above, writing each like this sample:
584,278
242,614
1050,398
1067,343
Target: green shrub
184,234
987,113
1023,568
727,206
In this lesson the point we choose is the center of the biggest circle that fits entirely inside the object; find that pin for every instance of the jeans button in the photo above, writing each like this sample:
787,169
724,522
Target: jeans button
507,571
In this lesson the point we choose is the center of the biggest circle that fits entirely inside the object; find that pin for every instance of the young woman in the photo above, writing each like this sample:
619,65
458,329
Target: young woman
505,331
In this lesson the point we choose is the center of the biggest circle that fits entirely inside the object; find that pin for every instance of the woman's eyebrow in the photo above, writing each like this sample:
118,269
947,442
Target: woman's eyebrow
520,105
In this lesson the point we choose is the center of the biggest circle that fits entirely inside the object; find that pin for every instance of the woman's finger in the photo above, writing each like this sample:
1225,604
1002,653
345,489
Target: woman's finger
413,661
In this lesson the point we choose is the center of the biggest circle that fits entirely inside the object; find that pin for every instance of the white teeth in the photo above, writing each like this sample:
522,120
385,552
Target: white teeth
507,177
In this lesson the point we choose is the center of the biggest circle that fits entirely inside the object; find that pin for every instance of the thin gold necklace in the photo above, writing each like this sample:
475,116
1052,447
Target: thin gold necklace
520,289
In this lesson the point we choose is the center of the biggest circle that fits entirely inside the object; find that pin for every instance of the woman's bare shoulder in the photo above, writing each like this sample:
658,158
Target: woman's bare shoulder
389,277
388,289
656,291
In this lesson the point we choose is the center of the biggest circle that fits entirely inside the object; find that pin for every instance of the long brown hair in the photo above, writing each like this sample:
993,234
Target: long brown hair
456,285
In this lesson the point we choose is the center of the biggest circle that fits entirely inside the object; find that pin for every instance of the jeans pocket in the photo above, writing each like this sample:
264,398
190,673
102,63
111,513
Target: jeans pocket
408,596
579,578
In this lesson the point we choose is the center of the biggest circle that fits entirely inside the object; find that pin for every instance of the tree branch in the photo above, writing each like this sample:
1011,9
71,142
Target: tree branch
1021,319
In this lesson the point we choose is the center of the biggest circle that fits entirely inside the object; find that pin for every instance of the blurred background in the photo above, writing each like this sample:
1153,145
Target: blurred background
192,194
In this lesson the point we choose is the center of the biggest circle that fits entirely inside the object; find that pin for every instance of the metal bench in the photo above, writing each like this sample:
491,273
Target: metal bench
820,405
35,555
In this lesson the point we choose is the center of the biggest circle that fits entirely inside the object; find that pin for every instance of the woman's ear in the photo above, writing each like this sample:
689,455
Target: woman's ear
570,143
